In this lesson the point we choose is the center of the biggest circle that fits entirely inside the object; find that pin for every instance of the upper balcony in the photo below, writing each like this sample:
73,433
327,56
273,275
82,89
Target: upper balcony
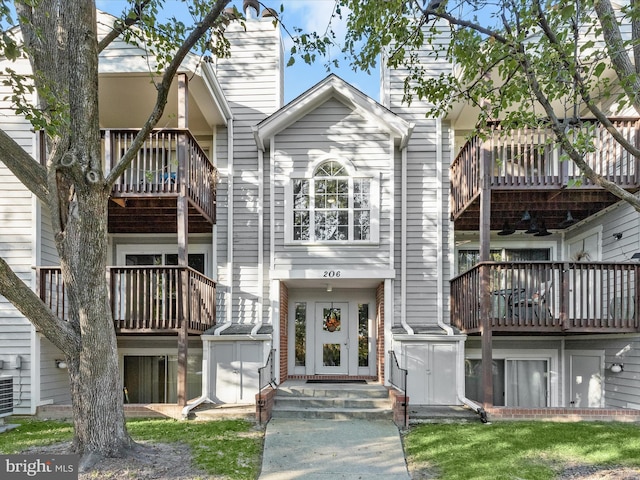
145,197
524,168
547,297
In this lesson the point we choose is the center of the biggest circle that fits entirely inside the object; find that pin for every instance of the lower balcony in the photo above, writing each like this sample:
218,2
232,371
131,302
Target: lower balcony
547,298
151,300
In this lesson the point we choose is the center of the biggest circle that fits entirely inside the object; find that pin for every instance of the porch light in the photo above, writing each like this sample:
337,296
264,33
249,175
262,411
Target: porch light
568,221
61,364
617,367
533,227
542,231
329,287
506,229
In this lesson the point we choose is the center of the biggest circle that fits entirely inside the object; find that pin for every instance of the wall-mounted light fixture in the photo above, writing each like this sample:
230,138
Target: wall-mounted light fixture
617,367
61,364
617,235
329,287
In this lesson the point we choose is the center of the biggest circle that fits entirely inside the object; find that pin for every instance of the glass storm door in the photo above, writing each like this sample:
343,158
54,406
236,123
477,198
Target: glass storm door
332,338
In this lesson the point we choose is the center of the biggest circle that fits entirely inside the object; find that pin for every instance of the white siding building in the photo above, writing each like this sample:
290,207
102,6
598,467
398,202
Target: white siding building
338,230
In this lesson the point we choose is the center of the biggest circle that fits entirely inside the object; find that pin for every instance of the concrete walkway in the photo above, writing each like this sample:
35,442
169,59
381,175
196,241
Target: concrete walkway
313,449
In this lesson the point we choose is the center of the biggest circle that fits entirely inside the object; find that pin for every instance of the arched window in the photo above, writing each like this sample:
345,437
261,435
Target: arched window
332,206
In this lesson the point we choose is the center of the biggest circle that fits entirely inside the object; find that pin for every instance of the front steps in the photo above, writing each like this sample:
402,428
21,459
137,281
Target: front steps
339,401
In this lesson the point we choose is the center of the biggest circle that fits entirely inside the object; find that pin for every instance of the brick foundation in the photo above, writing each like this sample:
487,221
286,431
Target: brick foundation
264,404
398,402
552,414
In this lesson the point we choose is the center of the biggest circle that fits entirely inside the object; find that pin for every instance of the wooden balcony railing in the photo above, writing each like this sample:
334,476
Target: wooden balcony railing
531,159
538,297
166,157
144,299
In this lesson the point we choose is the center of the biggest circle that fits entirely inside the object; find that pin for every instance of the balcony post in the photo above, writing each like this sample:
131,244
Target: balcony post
485,272
183,240
564,296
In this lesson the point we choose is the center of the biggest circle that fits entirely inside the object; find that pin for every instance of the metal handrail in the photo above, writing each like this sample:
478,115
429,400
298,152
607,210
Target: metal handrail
263,382
400,383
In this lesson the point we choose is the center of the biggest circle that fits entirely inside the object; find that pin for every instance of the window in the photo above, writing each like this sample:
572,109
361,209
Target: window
196,260
516,382
468,258
154,378
333,206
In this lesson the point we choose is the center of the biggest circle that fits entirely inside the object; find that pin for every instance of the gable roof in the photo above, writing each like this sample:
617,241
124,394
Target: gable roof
332,87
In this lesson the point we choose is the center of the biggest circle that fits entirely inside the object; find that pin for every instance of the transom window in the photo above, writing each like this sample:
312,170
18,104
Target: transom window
332,206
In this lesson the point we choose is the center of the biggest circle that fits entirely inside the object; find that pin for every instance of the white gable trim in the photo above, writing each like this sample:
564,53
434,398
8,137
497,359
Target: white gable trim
332,87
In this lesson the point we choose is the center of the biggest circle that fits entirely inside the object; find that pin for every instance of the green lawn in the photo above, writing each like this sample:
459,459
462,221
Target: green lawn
520,450
230,448
502,450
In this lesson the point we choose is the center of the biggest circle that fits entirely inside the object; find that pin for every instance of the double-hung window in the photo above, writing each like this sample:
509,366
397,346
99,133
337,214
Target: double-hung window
334,206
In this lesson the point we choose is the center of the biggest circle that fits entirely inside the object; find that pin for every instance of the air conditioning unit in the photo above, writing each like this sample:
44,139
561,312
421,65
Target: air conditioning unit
6,396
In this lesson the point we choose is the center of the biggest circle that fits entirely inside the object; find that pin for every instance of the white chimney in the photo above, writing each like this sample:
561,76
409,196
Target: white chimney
251,9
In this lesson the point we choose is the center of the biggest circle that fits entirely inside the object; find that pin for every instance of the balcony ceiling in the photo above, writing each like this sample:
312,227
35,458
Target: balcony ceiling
152,215
551,207
126,101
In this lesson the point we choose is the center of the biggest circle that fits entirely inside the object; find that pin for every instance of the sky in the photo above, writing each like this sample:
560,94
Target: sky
310,15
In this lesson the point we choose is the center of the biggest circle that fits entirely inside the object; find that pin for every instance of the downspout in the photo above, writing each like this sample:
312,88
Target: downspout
229,293
258,325
403,234
439,229
205,386
472,404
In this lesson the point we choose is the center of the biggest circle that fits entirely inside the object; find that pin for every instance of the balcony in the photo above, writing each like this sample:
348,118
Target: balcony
169,164
547,297
525,168
145,299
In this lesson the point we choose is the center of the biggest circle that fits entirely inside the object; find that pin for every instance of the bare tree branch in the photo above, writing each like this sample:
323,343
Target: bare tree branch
626,72
23,166
120,26
61,333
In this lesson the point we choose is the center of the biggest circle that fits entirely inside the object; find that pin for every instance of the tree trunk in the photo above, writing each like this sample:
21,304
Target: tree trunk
96,390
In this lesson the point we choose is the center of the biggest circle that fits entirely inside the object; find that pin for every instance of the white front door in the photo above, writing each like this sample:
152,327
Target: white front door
332,338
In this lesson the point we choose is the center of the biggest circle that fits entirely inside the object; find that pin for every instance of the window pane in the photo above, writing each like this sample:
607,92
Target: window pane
362,222
363,335
332,225
473,380
300,194
361,193
331,354
527,255
331,194
301,334
331,319
145,379
143,259
301,226
527,383
330,169
196,260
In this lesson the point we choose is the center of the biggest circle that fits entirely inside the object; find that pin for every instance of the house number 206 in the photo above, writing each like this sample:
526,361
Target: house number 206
331,273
